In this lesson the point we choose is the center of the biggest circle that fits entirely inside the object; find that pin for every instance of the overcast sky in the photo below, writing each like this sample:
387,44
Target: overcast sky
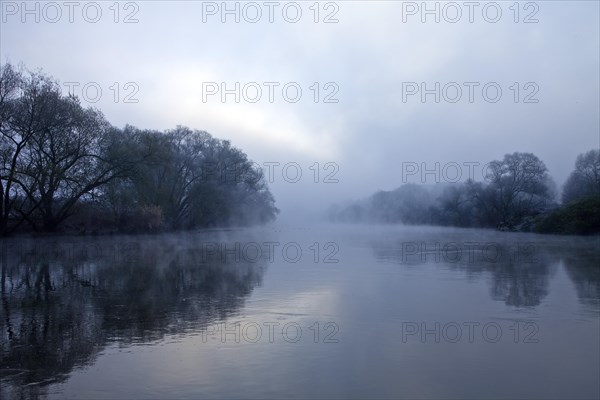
372,61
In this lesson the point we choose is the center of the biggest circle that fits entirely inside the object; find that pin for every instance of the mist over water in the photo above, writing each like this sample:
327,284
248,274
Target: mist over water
319,311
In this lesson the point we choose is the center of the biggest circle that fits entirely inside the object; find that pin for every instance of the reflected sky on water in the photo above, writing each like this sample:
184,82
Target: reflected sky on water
330,311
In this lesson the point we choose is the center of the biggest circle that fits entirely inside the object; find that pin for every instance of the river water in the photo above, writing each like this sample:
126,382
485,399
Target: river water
326,311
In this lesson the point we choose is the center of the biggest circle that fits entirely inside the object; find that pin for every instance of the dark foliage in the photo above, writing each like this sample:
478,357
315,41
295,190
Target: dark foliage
63,167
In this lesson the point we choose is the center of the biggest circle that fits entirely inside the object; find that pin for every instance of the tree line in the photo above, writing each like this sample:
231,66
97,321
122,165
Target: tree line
517,195
64,167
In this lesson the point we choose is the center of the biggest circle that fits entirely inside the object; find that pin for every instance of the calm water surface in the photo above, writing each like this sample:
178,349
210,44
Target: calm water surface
323,312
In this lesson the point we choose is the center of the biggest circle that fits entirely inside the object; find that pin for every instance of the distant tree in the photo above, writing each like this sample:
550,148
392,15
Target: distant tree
230,190
517,189
456,206
414,202
519,186
194,179
584,181
408,204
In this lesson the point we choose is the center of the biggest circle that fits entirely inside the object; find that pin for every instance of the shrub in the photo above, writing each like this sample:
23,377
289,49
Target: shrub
581,217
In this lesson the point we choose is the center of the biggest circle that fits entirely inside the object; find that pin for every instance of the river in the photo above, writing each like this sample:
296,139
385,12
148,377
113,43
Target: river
327,311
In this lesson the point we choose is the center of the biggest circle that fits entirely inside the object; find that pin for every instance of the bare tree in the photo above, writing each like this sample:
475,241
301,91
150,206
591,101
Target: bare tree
57,157
26,103
520,186
584,181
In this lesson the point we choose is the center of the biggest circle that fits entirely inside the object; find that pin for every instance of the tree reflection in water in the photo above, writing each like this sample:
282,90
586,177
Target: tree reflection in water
520,266
64,301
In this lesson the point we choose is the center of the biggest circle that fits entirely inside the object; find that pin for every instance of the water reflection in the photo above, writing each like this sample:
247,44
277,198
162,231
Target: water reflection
520,265
70,302
63,301
583,268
